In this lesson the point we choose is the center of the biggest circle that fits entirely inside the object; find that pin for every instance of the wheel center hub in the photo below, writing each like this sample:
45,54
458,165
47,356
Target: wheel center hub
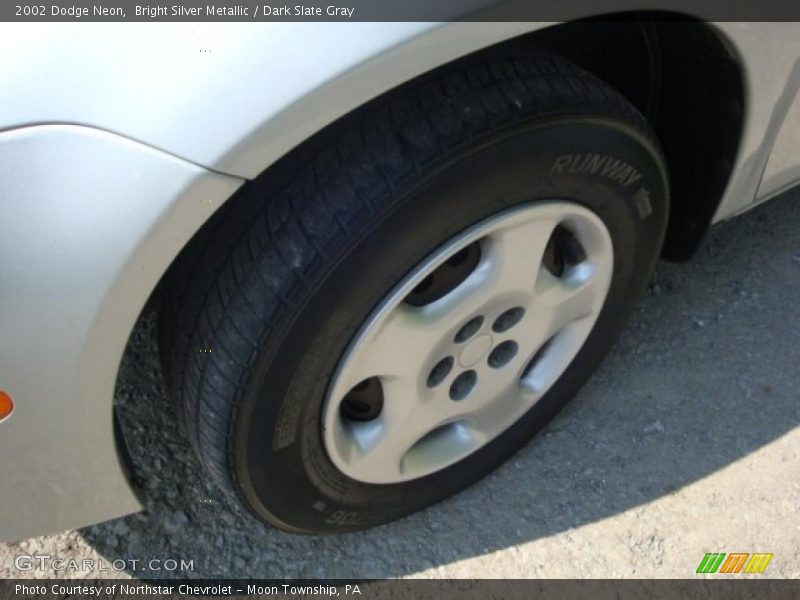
475,350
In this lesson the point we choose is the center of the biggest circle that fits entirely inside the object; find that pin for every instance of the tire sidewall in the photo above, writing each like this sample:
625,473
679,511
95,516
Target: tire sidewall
283,471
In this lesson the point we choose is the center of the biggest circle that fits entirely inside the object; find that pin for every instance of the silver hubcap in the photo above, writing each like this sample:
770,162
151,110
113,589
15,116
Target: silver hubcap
438,380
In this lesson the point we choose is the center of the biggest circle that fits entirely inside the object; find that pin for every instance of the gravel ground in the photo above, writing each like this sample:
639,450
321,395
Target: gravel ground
685,442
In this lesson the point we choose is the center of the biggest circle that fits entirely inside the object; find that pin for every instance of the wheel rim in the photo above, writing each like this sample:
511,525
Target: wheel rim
432,377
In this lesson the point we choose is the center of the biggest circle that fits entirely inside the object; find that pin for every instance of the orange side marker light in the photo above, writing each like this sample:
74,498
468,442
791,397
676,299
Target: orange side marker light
6,405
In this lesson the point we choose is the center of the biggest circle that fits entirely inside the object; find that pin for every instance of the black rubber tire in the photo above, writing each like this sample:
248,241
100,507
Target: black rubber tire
258,312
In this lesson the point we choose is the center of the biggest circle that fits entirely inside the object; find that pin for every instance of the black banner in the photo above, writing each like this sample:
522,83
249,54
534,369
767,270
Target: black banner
388,10
418,589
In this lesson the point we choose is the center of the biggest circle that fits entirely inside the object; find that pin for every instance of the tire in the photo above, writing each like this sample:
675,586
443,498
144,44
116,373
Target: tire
263,313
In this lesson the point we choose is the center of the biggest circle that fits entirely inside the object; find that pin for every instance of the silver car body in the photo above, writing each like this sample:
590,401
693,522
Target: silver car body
118,141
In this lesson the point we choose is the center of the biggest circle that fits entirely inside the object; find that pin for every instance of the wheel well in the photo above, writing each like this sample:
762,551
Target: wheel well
688,82
679,72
